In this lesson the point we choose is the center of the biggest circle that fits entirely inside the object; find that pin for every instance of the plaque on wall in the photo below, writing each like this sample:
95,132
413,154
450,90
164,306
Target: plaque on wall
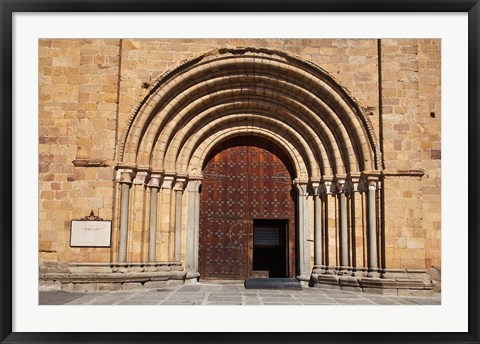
90,231
266,236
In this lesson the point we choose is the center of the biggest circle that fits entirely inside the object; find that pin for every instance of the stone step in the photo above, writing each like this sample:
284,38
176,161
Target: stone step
272,283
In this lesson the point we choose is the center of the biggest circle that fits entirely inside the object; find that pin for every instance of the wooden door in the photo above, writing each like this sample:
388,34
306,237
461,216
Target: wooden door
244,179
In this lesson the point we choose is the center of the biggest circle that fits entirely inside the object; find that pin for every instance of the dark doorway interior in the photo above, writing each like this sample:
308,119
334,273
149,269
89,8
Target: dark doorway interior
270,247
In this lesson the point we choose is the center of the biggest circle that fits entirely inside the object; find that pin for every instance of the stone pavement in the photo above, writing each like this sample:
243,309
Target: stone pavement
228,294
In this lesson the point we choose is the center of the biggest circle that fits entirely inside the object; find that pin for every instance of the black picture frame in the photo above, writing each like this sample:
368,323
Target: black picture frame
9,7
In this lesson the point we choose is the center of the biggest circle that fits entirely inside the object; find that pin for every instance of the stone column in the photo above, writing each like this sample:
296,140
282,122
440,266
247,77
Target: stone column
303,233
125,181
326,190
193,212
318,224
354,181
167,221
154,185
179,186
372,259
343,223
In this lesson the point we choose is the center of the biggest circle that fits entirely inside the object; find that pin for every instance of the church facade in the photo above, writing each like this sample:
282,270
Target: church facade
228,159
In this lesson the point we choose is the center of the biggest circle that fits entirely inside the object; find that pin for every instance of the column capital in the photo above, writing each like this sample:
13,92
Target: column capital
302,188
125,176
180,184
327,186
155,181
371,180
193,185
316,187
167,182
354,178
341,185
141,177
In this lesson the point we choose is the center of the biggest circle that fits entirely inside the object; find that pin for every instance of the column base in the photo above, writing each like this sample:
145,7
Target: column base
389,282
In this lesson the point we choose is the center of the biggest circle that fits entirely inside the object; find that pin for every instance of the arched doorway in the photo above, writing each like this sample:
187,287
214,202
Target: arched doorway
256,93
247,211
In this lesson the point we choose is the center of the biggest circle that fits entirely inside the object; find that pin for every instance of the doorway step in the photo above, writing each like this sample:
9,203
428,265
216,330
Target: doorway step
272,283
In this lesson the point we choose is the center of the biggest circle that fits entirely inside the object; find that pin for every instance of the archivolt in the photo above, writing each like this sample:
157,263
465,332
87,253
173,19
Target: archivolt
228,92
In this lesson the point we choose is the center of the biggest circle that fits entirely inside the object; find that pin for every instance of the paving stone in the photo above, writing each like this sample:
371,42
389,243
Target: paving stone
282,303
224,303
320,302
57,298
189,288
149,297
185,302
212,295
129,302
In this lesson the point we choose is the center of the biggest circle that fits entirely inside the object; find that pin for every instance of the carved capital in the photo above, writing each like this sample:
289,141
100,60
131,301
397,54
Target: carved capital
180,184
341,185
167,182
371,180
125,176
327,186
302,188
193,185
140,177
316,188
354,178
155,181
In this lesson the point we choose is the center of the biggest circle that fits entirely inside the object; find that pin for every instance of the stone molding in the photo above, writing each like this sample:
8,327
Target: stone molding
90,163
112,276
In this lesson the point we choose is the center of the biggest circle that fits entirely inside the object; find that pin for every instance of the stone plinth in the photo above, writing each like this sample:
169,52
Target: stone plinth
112,276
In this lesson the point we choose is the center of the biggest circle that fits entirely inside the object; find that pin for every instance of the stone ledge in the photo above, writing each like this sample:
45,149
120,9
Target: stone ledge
378,285
90,163
112,276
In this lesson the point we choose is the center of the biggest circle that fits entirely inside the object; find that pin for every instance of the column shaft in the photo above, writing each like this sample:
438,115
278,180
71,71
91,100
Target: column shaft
372,230
152,250
303,232
318,238
191,249
125,195
178,224
343,229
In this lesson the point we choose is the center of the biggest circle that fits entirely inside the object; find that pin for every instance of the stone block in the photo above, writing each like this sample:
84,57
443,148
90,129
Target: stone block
84,287
68,286
410,284
110,277
130,286
383,283
348,281
82,277
380,291
155,284
108,286
57,276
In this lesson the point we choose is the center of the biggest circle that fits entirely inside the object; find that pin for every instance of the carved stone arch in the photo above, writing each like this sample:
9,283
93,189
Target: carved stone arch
341,113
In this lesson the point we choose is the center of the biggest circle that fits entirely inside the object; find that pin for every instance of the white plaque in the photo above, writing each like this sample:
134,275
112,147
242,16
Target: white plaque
90,233
266,236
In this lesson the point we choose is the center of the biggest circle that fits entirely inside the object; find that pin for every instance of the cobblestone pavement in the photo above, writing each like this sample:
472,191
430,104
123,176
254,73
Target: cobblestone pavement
228,294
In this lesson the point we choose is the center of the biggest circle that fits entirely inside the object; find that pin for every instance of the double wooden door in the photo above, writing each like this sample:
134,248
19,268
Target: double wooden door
244,179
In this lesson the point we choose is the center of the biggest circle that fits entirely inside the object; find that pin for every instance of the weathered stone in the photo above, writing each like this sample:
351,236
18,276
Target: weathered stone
108,286
129,286
155,284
